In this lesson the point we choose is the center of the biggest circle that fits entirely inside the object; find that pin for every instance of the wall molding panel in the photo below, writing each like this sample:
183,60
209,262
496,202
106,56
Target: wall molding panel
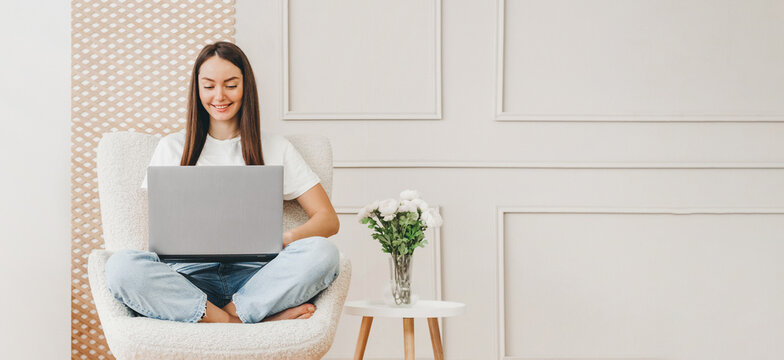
501,212
289,114
501,114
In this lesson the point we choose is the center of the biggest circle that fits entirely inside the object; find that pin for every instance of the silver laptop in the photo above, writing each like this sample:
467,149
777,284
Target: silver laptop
215,213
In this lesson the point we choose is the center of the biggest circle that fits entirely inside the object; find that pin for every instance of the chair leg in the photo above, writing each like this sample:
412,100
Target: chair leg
435,338
408,337
364,331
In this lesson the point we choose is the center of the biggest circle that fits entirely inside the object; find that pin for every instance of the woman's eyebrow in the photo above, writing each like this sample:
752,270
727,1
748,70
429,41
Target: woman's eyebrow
231,78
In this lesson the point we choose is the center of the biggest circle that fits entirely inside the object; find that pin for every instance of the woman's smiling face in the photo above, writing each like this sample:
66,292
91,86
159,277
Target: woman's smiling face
220,89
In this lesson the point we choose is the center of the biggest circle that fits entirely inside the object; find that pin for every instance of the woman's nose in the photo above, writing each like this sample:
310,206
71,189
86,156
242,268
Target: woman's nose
220,93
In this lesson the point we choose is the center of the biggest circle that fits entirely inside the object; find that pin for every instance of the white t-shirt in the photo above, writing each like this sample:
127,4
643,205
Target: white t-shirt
276,150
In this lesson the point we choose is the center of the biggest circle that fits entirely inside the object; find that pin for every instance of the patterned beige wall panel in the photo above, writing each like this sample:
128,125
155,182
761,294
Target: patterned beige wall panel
131,62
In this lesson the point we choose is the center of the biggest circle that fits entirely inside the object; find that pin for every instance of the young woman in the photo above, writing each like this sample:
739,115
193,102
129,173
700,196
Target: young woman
223,129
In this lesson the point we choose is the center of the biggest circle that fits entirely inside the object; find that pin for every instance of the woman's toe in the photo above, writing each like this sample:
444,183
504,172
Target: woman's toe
302,309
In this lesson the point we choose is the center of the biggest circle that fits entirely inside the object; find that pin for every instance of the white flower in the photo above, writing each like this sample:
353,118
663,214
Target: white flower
389,217
372,206
427,218
409,195
437,221
367,211
421,204
407,206
388,207
363,213
431,218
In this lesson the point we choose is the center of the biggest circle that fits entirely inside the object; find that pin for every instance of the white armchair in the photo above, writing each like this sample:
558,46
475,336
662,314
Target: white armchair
122,161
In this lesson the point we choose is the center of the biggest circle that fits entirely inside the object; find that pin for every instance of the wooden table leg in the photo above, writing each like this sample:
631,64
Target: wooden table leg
408,337
435,338
364,331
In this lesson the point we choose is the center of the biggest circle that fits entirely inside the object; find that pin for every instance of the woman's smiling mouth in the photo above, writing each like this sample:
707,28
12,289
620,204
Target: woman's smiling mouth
221,108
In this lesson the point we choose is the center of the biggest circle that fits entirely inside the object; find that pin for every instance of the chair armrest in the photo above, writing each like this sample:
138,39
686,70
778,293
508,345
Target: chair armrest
107,306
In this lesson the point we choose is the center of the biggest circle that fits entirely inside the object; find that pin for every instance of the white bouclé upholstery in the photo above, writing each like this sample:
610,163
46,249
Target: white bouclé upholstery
122,162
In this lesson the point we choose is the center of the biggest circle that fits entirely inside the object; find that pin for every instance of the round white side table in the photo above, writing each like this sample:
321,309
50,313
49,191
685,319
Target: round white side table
430,309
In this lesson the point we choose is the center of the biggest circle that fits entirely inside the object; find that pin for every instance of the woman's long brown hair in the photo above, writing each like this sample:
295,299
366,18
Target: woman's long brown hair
198,122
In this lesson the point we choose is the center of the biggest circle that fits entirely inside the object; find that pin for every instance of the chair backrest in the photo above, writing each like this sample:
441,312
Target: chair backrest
122,159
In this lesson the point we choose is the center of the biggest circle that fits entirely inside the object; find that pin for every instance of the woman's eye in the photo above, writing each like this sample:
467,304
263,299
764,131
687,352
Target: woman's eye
208,87
232,86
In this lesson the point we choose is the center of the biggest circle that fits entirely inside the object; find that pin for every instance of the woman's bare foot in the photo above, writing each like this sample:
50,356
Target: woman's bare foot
214,314
303,311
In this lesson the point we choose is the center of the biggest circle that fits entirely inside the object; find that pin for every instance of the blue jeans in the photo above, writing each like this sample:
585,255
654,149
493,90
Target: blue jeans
179,291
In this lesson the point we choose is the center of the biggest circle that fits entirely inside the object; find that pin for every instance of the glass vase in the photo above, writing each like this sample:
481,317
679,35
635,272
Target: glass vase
400,278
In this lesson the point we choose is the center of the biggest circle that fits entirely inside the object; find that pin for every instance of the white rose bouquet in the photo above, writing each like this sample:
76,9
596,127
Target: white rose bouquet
399,225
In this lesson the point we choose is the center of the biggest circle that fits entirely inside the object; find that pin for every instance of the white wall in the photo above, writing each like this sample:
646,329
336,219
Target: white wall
35,184
614,242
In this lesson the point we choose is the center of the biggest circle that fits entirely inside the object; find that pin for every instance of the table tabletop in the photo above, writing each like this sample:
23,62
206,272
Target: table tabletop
420,309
